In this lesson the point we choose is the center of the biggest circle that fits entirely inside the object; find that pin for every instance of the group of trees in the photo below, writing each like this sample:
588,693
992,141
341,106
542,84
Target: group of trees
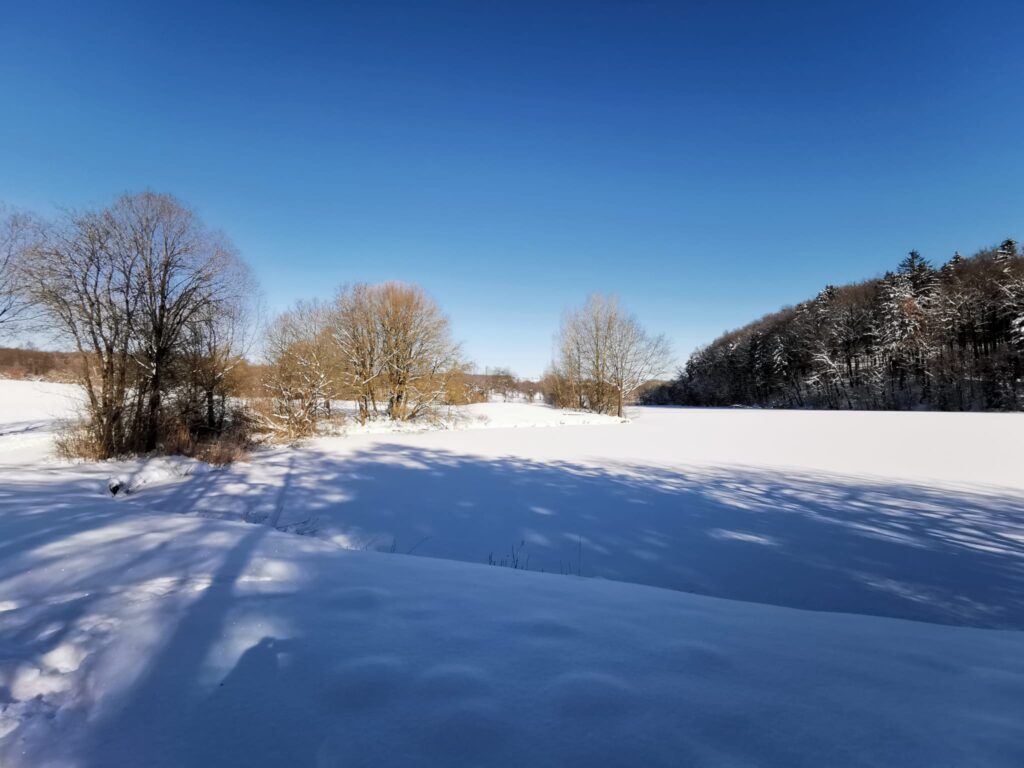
950,338
499,384
161,313
156,306
603,358
31,363
386,347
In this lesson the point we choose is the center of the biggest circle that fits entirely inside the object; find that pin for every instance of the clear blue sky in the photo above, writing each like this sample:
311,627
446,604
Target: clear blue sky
707,161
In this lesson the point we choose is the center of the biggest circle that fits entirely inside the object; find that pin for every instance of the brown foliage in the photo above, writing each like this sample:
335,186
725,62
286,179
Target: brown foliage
16,363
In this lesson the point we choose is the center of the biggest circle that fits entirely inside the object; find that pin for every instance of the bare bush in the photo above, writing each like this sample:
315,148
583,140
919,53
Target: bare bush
78,440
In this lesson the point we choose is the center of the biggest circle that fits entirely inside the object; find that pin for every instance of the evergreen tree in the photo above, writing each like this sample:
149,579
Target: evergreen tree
918,337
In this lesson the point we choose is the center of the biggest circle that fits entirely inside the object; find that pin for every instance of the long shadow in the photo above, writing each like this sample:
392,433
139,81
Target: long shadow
46,508
810,541
166,689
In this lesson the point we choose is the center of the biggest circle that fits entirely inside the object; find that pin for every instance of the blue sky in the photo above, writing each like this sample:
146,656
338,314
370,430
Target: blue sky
709,162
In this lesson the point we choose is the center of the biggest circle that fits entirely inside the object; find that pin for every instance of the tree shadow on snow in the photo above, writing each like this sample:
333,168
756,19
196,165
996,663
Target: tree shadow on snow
805,540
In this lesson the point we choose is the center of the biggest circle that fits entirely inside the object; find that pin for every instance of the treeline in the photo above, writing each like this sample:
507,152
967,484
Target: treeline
389,349
947,338
18,363
500,384
162,313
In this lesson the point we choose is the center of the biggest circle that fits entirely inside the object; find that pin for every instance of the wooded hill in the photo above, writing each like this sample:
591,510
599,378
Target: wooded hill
947,338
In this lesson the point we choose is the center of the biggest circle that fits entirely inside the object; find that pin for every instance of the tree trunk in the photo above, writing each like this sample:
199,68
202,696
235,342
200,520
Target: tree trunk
153,417
211,416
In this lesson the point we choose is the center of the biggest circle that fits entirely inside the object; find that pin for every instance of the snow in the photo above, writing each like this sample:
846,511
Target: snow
763,506
490,415
29,411
161,629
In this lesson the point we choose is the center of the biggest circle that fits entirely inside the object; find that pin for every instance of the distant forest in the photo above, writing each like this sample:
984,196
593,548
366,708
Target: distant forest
947,338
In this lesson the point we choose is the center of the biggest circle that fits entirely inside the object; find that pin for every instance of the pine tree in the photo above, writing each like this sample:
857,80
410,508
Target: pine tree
1007,250
951,338
920,272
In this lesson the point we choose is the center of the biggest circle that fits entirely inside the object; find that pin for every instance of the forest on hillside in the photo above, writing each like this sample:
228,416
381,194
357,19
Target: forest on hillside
920,337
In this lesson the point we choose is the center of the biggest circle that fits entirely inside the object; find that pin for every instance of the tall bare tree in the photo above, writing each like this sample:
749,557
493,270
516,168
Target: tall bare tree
418,351
89,298
180,272
357,333
604,357
634,358
126,285
214,349
19,232
303,363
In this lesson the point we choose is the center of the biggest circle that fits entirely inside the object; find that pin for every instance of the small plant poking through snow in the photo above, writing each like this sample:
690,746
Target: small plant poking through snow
514,559
518,559
392,548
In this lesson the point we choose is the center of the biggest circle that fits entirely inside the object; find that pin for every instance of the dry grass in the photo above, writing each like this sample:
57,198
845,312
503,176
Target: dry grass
37,365
75,440
224,449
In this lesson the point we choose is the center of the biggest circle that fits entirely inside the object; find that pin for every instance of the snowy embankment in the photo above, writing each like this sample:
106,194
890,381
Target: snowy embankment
132,636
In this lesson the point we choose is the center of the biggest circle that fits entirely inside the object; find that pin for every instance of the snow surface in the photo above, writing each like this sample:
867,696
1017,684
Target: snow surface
29,411
140,630
491,415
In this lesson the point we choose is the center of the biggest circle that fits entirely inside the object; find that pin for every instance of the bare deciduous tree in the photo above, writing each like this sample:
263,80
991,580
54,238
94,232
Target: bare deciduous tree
388,347
214,349
89,298
419,355
130,286
501,382
634,358
355,330
301,380
19,232
604,357
179,272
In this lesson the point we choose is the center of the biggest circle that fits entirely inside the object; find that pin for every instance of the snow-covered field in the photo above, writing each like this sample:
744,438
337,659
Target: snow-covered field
29,411
492,415
187,624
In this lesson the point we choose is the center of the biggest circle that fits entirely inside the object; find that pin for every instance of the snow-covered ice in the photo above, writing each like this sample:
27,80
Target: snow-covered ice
29,411
876,513
178,627
490,415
